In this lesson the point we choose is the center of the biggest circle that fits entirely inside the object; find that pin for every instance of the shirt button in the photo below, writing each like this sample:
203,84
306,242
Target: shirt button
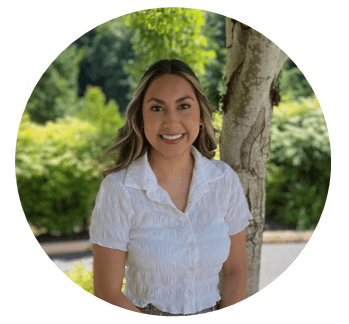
189,292
191,244
191,268
186,223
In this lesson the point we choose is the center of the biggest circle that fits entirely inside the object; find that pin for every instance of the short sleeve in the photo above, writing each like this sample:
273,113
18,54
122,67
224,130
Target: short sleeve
110,223
238,213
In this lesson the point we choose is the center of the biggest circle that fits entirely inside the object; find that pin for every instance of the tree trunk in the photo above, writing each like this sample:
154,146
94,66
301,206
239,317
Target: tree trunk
253,64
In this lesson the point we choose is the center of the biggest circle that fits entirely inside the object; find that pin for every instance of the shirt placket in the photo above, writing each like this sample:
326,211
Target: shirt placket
192,253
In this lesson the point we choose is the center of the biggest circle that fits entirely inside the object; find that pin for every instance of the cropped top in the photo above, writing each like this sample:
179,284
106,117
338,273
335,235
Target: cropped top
173,258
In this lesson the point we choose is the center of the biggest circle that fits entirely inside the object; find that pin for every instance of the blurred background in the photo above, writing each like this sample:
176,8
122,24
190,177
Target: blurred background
79,103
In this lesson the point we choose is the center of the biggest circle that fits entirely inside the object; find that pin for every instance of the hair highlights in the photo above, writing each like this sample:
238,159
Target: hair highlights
131,143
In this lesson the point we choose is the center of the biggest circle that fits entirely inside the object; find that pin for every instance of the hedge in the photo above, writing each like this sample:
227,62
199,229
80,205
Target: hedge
58,172
299,165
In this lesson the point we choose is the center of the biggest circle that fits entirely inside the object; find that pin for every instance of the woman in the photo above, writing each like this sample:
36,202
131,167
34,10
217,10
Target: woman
167,211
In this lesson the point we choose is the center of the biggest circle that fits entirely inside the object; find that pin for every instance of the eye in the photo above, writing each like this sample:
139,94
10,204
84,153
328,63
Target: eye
185,106
152,108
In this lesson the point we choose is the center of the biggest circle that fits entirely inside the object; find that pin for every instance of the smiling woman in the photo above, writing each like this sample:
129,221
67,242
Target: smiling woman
167,211
173,127
132,141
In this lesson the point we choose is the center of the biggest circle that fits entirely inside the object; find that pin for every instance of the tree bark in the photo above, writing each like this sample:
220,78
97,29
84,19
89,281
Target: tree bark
253,64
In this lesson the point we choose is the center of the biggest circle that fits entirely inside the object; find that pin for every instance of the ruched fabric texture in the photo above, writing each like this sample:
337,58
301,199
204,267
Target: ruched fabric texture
173,258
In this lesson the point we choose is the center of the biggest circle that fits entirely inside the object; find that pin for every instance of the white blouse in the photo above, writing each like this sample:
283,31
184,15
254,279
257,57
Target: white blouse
173,258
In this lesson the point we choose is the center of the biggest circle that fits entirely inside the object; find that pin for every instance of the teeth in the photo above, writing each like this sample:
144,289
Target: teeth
171,137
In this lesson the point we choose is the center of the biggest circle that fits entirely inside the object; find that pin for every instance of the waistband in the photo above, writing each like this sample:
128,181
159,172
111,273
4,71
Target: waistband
152,310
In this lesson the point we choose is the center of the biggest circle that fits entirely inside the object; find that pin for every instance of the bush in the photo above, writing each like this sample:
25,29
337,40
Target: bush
84,278
294,85
59,165
104,116
299,165
57,88
81,277
58,173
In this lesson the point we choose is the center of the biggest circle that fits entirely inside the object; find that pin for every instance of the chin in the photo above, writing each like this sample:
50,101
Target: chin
170,150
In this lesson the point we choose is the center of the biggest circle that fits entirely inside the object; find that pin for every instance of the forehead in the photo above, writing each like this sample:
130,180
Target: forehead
169,85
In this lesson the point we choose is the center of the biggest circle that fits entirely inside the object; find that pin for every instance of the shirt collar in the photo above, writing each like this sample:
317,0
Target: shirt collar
139,175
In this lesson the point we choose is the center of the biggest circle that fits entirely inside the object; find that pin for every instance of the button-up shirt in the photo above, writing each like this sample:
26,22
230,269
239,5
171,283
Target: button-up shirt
173,257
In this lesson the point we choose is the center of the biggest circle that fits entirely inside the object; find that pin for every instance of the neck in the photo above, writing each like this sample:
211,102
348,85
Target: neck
171,168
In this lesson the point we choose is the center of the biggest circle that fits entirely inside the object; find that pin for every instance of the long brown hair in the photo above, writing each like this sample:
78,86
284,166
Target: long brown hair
131,143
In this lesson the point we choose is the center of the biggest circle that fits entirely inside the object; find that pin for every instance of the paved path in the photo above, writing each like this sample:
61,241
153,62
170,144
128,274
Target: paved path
275,259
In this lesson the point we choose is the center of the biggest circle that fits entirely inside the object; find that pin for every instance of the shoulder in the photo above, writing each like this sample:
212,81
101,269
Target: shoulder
113,192
114,181
230,180
229,173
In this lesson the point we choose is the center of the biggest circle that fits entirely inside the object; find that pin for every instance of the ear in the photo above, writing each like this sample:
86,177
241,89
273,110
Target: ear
201,117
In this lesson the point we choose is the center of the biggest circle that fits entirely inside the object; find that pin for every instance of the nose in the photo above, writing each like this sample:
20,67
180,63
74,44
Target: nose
171,119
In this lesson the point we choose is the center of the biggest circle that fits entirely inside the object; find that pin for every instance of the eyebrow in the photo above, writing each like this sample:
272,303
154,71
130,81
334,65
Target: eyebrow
163,102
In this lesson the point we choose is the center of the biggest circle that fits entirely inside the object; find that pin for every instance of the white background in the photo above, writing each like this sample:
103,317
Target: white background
312,33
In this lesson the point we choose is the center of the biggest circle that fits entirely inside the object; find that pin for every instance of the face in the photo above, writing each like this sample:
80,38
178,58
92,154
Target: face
171,108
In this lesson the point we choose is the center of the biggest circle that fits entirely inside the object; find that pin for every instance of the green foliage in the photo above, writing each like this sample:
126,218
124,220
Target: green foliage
109,47
57,88
58,173
167,33
299,165
217,121
81,277
86,39
84,278
213,79
105,117
292,83
59,165
288,109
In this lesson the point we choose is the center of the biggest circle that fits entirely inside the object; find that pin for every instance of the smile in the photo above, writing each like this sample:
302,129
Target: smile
172,139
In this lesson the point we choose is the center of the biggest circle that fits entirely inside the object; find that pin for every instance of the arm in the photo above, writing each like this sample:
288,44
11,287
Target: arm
108,272
235,272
